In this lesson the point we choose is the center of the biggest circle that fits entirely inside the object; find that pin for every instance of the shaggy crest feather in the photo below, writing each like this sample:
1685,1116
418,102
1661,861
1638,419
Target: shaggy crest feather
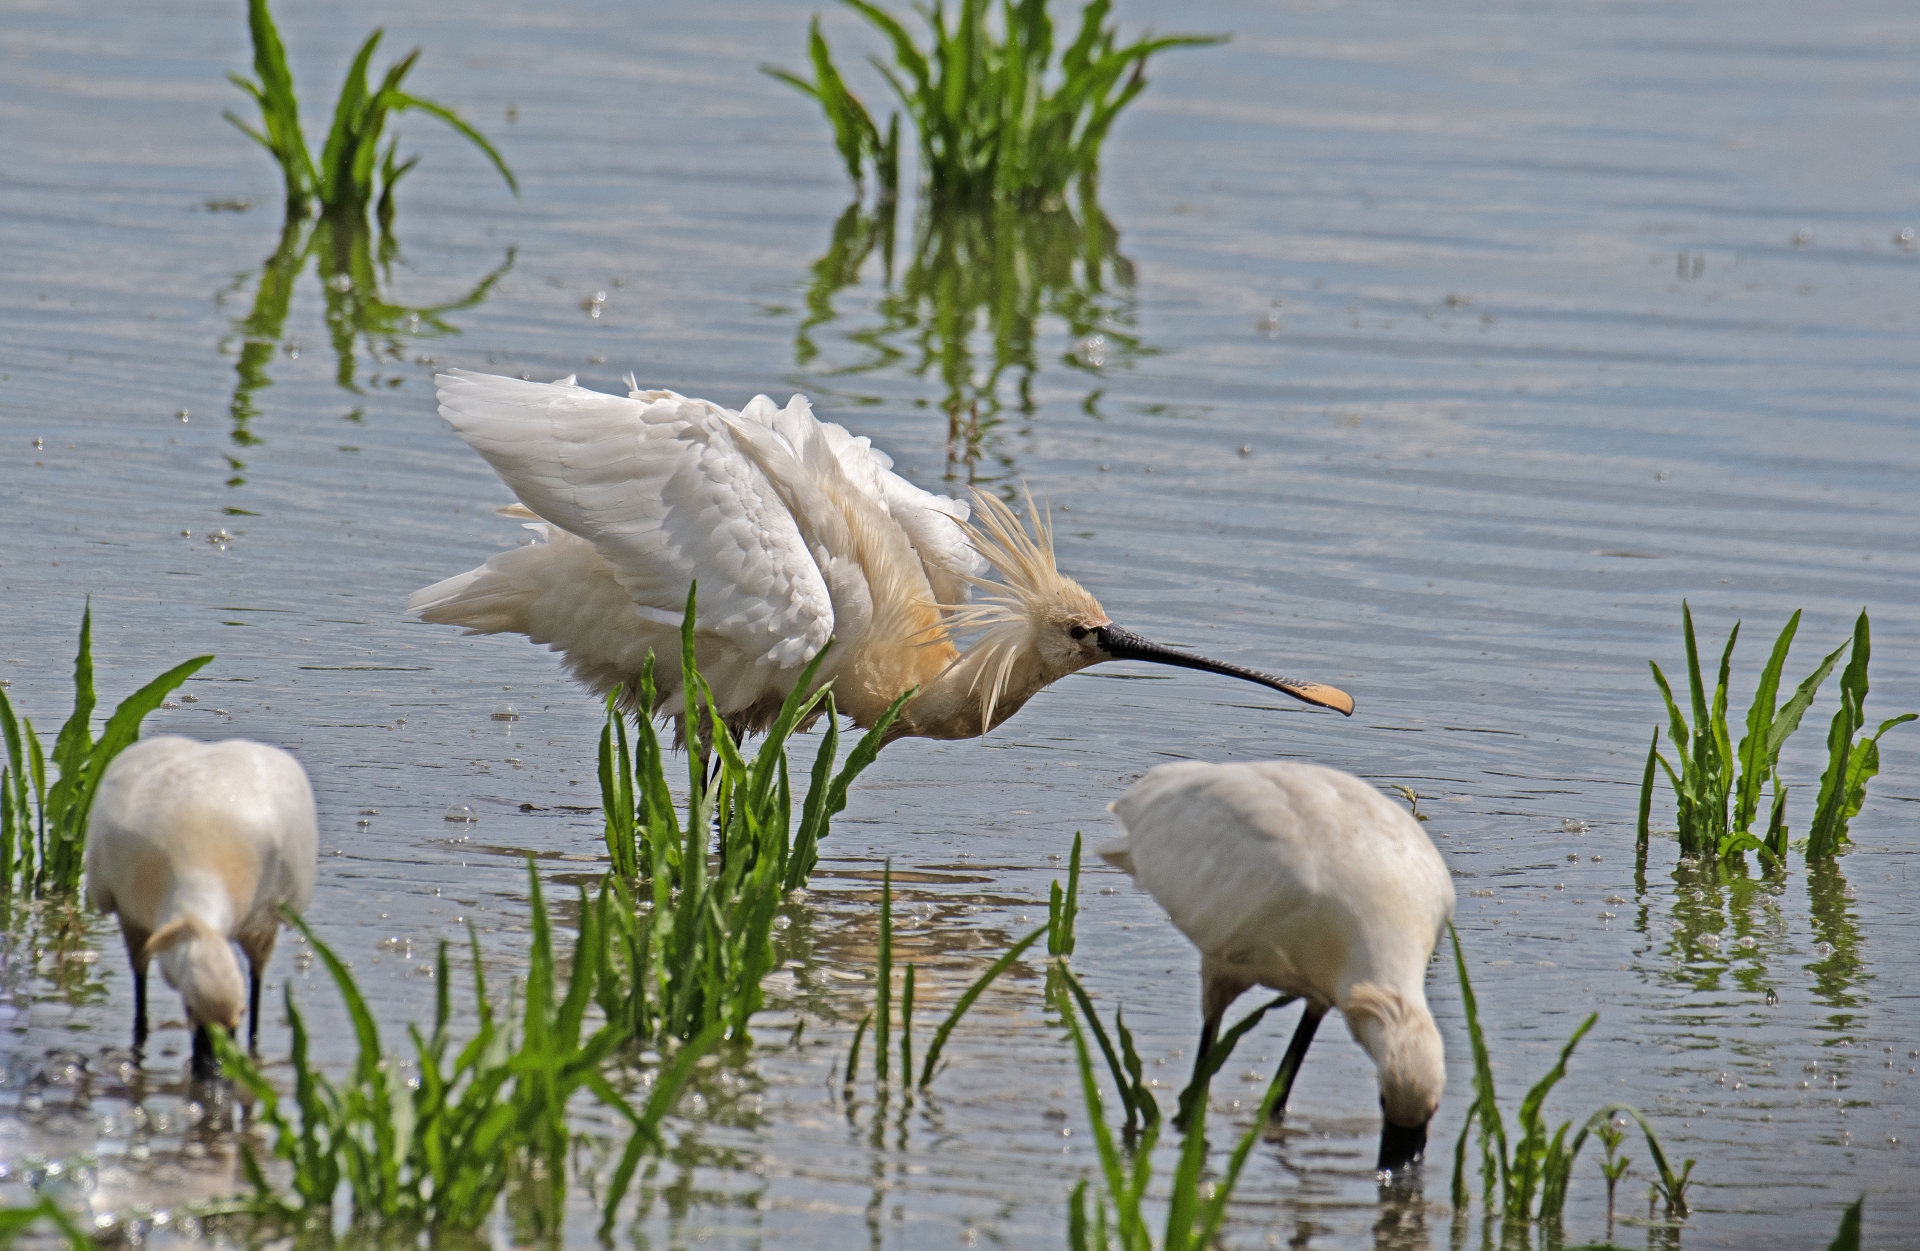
1032,592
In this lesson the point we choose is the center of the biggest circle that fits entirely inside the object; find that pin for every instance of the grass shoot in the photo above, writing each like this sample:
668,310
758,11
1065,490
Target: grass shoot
351,168
43,827
1194,1216
691,931
998,119
880,1018
1716,787
1850,765
1539,1166
437,1152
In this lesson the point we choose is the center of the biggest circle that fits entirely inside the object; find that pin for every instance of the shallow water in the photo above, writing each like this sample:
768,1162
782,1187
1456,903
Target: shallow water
1470,339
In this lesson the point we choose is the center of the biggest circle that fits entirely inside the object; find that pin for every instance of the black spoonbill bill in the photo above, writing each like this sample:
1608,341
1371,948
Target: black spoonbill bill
1309,881
795,531
196,846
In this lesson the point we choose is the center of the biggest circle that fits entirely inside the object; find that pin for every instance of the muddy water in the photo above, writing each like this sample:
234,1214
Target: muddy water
1445,349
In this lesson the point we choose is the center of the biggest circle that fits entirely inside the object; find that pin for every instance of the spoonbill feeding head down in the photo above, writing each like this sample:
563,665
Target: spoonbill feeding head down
196,846
1309,881
796,533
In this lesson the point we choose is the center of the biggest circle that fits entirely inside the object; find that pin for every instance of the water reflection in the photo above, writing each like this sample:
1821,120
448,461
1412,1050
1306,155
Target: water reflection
1838,968
970,309
353,268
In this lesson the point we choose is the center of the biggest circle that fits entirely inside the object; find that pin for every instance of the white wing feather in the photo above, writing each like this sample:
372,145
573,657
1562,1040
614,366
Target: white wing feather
657,485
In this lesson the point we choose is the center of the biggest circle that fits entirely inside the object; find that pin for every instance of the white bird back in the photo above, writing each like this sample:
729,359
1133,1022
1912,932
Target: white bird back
1300,877
226,831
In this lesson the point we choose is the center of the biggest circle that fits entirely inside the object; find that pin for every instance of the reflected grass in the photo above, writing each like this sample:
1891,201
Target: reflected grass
968,310
354,270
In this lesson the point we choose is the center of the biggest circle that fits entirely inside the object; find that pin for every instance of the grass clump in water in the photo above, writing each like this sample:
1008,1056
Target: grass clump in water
351,165
435,1153
1539,1166
998,119
689,911
1843,787
1717,788
43,827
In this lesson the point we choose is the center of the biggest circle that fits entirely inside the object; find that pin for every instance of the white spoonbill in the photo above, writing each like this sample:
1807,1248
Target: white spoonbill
196,846
795,531
1309,881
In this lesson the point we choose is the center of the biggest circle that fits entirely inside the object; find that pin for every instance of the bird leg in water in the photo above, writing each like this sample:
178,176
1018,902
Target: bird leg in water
206,1064
1296,1054
136,954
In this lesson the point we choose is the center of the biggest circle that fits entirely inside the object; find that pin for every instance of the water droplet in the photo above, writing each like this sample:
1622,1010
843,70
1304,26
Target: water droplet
189,699
1801,238
1092,351
1246,449
1270,325
505,712
184,415
1748,942
463,813
1710,941
1572,826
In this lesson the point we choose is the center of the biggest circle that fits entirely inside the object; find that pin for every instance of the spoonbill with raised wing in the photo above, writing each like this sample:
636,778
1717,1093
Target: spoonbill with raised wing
796,532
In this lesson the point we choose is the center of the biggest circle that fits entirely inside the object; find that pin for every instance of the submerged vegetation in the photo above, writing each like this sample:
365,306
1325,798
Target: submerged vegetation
691,933
969,309
351,168
997,117
362,319
436,1152
1717,789
1538,1166
43,825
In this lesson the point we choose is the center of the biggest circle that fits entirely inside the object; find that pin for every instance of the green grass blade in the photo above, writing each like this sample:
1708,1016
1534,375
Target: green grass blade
1643,829
967,999
1193,1097
1848,1237
404,101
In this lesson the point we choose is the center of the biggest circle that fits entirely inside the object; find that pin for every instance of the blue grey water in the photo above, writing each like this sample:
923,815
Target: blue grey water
1476,336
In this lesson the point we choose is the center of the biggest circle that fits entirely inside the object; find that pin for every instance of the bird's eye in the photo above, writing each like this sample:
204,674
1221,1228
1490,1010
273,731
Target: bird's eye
1078,632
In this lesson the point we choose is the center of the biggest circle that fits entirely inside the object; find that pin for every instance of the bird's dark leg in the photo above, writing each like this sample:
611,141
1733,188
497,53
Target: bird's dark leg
136,940
253,1007
1296,1054
206,1064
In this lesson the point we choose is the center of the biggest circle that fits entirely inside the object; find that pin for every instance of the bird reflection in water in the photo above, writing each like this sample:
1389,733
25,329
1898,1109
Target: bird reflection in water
969,309
353,267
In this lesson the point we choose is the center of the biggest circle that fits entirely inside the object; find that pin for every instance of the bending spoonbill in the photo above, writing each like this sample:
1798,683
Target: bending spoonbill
796,531
196,846
1309,881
